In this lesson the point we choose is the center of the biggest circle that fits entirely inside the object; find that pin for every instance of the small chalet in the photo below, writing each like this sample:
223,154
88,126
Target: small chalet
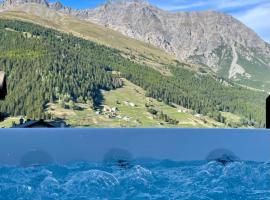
39,124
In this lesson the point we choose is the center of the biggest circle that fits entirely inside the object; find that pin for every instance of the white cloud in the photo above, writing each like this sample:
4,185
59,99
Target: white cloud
257,18
206,4
232,4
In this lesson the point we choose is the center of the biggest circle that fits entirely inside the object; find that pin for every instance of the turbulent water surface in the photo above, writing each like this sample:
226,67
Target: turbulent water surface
159,180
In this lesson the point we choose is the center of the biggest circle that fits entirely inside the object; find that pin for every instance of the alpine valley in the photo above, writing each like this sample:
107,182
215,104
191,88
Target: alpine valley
128,63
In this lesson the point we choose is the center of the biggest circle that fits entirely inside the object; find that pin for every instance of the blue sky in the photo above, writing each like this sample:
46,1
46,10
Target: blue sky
253,13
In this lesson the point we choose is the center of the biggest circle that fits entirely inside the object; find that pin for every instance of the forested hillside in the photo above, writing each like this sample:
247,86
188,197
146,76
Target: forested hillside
44,65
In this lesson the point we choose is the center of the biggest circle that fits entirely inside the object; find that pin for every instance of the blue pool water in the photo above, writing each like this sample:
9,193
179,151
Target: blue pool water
157,181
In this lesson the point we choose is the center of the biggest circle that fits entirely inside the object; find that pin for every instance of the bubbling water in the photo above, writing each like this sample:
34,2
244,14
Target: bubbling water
159,180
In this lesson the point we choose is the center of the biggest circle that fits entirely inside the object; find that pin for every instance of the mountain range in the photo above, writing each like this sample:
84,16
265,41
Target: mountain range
210,39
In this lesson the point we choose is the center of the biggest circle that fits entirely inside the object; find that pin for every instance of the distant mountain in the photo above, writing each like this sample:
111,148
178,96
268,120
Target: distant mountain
17,2
208,38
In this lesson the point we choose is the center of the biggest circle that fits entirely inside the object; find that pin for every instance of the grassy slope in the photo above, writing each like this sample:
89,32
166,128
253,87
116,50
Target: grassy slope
138,115
260,78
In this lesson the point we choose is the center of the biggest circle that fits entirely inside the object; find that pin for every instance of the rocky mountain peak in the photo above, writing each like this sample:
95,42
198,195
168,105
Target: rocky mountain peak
57,5
16,2
130,5
208,38
125,2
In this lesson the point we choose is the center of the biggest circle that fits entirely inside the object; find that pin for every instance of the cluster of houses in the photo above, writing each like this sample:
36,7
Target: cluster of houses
183,110
113,112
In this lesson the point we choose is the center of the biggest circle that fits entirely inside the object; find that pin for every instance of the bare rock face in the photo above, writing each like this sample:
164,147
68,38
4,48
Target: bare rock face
57,5
18,2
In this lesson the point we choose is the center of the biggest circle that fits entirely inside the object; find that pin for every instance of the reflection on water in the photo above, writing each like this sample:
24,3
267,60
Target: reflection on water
223,156
160,180
35,158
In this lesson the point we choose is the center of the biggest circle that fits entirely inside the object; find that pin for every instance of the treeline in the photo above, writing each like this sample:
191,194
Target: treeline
60,64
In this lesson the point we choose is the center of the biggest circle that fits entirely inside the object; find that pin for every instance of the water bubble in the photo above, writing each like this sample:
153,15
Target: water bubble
159,181
91,183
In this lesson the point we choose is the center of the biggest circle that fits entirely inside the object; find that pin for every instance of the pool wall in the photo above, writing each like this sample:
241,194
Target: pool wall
41,146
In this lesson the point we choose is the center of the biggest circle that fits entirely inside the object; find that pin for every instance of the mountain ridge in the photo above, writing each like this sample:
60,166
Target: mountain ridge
121,16
210,39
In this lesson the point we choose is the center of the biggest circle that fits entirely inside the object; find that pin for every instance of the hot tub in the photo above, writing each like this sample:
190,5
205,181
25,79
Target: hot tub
134,164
